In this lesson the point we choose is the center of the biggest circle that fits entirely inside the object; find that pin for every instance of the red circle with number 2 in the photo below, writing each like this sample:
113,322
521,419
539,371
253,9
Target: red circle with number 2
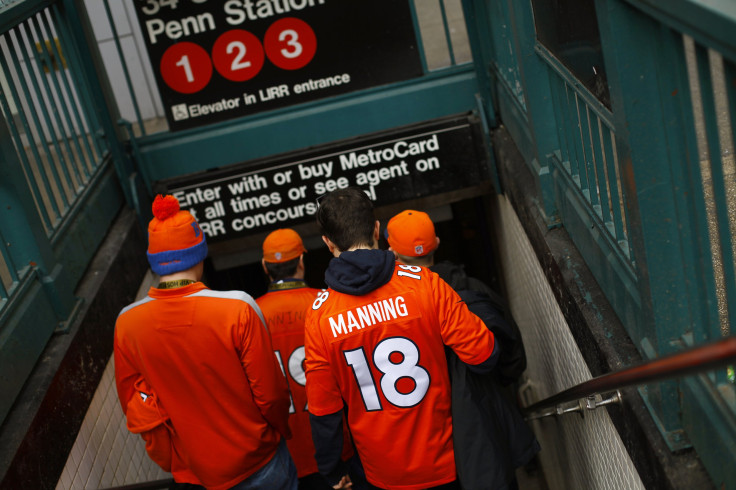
238,55
186,67
290,43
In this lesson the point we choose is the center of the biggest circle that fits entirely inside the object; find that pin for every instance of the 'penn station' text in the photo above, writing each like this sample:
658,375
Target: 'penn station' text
237,12
368,315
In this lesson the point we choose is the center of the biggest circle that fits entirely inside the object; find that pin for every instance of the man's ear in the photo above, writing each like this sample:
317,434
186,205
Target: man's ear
330,246
376,232
263,264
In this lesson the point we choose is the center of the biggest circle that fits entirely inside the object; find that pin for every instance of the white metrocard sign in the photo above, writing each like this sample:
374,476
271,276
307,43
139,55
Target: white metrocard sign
404,164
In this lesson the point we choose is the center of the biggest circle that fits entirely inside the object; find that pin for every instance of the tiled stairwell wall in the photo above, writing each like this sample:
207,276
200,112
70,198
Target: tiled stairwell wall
577,452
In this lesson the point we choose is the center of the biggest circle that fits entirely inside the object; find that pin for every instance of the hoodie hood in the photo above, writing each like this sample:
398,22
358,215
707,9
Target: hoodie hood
361,271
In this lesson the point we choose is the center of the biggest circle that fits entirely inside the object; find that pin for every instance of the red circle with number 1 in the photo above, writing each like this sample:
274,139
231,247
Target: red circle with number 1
186,67
290,43
238,55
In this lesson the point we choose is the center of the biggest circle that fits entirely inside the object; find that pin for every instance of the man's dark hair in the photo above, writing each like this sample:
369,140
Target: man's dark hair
282,270
346,218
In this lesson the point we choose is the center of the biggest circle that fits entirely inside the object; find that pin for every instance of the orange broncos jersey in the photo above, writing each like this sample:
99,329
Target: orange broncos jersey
208,358
383,354
284,307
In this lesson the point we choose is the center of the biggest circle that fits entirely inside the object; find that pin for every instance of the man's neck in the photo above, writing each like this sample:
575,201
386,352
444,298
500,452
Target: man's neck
181,278
363,246
178,276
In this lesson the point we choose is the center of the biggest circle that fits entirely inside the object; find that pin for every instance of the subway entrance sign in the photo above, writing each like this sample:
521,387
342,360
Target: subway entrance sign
393,166
215,60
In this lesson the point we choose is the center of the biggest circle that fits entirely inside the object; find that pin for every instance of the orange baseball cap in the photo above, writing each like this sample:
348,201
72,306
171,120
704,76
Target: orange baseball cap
411,233
282,245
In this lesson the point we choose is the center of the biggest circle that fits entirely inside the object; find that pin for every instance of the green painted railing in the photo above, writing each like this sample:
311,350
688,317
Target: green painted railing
58,189
60,150
628,125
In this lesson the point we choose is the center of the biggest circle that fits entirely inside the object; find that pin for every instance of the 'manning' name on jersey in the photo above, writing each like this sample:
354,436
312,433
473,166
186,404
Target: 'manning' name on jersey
384,310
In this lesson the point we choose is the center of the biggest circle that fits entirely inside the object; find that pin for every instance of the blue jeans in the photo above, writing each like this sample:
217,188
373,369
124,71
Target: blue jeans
277,474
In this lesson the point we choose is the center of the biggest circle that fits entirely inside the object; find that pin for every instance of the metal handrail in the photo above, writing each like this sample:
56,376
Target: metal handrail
704,357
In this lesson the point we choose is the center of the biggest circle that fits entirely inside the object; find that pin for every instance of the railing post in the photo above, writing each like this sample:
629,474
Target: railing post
476,16
93,76
540,113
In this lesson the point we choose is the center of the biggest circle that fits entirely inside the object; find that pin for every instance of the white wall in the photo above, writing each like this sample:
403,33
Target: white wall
577,452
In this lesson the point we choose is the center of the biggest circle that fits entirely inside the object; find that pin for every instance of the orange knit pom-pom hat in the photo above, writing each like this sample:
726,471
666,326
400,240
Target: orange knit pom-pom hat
175,240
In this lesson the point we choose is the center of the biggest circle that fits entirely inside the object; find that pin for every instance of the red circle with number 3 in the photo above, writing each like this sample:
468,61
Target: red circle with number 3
290,43
238,55
186,67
